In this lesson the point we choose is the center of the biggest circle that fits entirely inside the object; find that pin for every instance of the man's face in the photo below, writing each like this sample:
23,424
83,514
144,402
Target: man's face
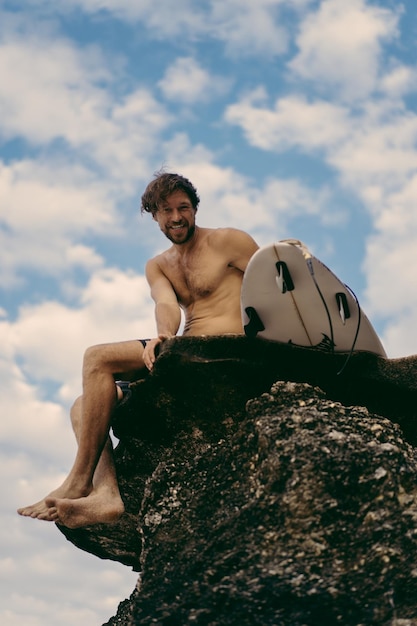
176,217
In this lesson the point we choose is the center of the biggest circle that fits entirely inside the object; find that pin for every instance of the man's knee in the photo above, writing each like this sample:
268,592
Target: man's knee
113,358
94,358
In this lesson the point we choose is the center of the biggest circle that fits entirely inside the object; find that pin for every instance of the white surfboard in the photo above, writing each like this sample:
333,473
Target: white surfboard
288,295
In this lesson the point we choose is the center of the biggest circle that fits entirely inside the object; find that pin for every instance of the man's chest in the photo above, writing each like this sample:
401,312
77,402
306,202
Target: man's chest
197,277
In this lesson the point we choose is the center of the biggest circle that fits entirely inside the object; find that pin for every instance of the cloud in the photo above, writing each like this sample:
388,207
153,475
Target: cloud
29,422
58,92
113,306
81,589
90,141
392,288
390,261
47,197
398,81
163,19
245,28
340,46
373,148
45,209
379,147
186,81
374,143
53,87
249,28
294,121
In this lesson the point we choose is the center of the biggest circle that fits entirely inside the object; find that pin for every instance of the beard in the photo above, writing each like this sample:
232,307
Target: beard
181,239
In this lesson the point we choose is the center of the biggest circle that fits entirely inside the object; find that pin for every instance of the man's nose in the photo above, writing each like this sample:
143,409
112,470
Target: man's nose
176,215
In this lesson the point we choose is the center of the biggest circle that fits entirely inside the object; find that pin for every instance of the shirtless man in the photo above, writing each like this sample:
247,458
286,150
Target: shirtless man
201,273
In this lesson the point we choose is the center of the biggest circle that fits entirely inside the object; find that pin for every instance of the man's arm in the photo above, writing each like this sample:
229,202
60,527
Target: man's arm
167,309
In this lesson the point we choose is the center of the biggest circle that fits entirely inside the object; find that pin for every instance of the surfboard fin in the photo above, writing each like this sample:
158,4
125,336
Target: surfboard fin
255,324
283,279
343,306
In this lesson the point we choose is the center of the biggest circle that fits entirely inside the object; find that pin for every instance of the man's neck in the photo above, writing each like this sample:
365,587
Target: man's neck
184,248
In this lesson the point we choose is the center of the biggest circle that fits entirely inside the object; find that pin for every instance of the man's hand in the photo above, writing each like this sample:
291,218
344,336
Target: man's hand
149,356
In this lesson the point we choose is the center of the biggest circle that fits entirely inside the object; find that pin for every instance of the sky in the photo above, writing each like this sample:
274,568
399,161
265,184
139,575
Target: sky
293,118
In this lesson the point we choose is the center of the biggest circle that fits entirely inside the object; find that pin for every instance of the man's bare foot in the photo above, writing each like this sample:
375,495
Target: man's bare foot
41,510
100,507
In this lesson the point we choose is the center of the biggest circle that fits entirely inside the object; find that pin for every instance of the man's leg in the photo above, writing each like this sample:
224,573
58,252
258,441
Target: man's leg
99,398
104,504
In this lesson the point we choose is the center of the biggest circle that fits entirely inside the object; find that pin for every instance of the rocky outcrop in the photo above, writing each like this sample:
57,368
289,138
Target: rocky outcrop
266,484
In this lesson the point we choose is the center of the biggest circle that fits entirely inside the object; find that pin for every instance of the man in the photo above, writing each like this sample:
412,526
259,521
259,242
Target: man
202,274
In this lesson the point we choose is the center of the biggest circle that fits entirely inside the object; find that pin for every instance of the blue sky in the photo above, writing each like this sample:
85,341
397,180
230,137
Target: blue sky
294,118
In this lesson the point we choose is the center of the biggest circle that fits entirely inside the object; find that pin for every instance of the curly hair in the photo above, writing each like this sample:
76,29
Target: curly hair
163,185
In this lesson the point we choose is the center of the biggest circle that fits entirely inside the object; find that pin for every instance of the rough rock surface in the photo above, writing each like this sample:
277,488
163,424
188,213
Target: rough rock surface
298,507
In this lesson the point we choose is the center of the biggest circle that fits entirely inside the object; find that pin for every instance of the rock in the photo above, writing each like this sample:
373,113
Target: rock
251,501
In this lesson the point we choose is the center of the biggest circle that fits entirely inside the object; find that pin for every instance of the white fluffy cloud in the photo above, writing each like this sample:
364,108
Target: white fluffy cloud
249,28
45,208
188,82
52,88
398,81
379,148
60,94
30,423
292,122
49,338
57,92
340,46
34,556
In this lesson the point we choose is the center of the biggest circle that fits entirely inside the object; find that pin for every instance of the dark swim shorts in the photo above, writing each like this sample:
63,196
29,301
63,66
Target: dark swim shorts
125,384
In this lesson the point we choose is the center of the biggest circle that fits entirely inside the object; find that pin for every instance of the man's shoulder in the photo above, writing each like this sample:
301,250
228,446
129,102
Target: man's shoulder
160,256
227,232
230,236
158,261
